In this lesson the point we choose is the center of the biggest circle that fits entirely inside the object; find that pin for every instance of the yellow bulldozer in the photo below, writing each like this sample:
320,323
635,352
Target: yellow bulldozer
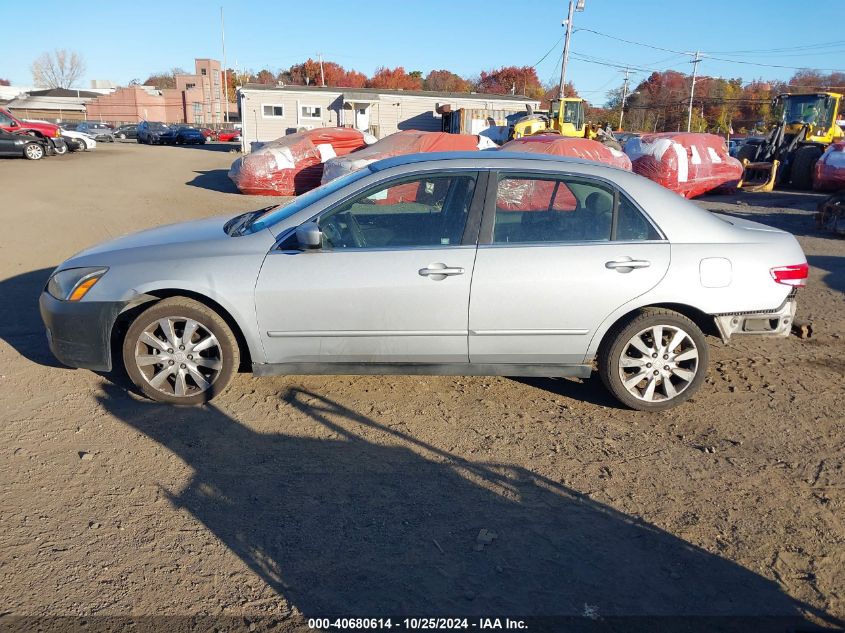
565,117
807,124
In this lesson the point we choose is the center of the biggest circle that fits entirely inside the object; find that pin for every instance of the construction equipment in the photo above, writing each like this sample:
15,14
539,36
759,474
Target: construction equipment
807,124
565,117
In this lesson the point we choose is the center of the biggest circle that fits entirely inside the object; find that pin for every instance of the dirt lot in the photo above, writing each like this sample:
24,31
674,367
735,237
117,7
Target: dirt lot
313,496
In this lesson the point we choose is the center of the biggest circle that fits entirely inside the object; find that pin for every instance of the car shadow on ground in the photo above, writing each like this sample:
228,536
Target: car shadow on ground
585,390
20,321
344,525
215,180
834,268
213,146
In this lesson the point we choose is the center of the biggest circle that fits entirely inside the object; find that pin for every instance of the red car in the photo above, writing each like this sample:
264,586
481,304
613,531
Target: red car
229,135
47,131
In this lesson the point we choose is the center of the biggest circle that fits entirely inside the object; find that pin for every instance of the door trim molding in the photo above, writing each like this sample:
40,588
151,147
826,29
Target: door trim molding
359,333
528,332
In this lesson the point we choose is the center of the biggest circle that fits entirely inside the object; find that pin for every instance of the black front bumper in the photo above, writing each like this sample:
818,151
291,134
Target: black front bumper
79,332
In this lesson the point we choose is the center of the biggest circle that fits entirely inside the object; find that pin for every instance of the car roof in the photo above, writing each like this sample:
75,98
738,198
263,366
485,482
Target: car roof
493,156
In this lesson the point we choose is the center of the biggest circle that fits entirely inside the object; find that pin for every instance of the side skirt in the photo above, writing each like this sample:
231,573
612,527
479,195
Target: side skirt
430,369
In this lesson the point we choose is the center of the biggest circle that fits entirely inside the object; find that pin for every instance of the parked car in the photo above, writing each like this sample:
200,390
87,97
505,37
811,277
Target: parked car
22,144
150,132
208,133
78,141
569,262
97,131
126,131
48,131
228,135
182,135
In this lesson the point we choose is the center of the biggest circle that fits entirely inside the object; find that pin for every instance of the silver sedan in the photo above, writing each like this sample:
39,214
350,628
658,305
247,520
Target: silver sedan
460,263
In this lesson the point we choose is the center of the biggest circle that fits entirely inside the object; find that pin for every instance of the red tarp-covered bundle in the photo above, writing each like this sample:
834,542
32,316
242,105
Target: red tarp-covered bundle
517,194
565,146
830,169
405,142
292,164
688,163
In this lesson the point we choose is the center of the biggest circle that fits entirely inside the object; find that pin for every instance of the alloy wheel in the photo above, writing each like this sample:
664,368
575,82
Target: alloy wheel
658,363
178,356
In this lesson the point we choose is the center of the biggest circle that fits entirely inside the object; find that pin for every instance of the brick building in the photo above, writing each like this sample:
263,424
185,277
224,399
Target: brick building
197,99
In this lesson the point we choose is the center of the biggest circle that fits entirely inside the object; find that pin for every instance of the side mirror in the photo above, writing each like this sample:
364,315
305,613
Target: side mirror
309,236
13,124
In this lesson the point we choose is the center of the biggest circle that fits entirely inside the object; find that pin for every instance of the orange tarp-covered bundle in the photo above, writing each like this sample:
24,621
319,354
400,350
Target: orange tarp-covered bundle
293,164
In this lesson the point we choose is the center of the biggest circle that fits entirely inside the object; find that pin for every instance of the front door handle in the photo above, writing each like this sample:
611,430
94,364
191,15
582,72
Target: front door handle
440,271
626,264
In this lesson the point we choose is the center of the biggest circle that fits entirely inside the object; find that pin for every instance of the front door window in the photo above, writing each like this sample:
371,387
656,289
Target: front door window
416,212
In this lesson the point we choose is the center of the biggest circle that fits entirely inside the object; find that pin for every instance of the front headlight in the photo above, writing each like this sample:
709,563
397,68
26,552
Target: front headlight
74,283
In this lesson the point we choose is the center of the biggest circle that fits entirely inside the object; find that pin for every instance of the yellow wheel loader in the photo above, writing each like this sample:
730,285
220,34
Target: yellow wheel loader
565,117
807,124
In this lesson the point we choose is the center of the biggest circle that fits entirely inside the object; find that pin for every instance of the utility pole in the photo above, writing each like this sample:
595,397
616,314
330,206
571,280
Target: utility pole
694,63
322,74
225,77
624,96
568,24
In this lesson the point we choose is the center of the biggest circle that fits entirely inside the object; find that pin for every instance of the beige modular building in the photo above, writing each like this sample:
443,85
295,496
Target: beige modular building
270,111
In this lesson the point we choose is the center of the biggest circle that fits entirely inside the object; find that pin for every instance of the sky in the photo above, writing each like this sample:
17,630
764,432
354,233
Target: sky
121,41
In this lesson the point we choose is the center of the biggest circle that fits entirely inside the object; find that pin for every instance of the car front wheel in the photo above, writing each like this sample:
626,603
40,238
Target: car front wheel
653,361
33,151
180,351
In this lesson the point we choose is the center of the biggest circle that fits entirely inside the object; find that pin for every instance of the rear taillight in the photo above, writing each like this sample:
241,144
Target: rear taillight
791,275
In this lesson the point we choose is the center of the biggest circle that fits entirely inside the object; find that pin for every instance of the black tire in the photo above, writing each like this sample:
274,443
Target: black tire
179,310
60,150
33,151
747,151
616,342
803,164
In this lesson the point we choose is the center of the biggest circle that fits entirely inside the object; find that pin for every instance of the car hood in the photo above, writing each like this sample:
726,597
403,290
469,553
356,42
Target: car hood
204,230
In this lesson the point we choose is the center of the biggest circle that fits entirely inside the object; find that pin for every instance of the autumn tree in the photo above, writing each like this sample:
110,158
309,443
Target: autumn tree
59,69
446,81
394,79
5,82
511,79
264,76
166,79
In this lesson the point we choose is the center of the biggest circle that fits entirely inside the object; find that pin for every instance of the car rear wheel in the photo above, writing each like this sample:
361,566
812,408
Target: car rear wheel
180,351
61,149
121,136
653,361
33,151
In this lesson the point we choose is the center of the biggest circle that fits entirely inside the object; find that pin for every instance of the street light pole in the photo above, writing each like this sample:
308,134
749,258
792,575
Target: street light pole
225,77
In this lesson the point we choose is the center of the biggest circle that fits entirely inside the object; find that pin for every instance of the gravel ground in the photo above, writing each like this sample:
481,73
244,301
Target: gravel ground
295,497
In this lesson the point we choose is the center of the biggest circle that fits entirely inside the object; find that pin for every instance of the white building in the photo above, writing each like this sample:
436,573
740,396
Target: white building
268,111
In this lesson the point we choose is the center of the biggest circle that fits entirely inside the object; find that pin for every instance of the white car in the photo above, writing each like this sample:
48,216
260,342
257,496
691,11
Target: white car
79,140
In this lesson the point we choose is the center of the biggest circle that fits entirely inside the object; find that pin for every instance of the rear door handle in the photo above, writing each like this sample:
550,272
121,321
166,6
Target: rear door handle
440,271
626,264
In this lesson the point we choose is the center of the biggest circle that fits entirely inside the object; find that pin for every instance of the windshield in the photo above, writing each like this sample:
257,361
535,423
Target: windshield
807,109
275,216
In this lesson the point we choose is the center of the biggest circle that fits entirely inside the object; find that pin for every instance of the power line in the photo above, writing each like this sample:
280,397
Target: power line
707,56
782,49
554,46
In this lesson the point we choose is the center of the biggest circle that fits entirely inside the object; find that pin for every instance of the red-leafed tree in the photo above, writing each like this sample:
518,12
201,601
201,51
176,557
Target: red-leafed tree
446,81
394,79
264,76
5,82
515,79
